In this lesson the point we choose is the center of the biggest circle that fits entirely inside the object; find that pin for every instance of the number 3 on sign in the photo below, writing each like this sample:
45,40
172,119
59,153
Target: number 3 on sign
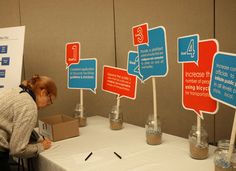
190,50
139,35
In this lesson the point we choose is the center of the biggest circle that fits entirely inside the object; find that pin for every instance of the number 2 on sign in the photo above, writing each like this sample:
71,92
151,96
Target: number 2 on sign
139,34
190,50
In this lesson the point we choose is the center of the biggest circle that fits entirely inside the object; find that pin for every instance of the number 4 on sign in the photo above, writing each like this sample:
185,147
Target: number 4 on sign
190,50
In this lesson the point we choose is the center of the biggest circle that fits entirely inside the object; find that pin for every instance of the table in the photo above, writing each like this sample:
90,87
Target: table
129,143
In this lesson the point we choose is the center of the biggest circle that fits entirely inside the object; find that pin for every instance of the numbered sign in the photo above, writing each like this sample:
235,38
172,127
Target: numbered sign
196,80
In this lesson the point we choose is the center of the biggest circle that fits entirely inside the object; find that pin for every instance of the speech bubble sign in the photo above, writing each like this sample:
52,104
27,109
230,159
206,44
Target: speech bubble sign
223,79
153,58
72,53
140,34
133,64
188,49
196,80
118,81
83,75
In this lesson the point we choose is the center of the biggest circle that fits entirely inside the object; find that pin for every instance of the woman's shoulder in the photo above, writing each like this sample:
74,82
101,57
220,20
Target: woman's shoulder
19,97
9,93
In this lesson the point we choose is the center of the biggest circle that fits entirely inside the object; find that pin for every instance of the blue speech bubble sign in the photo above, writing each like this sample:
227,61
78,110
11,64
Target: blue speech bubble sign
83,75
153,57
188,49
223,79
133,64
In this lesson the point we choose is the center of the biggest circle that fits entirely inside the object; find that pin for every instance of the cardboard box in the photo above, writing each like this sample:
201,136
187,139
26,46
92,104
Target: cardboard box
58,127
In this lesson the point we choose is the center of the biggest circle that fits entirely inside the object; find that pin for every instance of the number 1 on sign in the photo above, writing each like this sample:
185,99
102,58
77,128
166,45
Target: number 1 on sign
190,50
75,51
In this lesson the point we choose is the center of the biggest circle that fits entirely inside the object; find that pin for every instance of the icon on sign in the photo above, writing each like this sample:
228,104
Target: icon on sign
3,49
2,73
5,61
140,34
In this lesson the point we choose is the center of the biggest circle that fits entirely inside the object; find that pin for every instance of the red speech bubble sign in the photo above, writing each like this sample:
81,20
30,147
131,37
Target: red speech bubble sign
118,81
196,80
140,34
72,53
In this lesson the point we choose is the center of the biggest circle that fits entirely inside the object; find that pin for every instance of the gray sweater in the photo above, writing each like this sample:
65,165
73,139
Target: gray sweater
18,117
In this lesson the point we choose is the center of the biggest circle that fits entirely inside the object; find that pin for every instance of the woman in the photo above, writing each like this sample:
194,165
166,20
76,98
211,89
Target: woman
18,116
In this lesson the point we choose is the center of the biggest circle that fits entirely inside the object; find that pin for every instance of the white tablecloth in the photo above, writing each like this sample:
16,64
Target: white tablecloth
129,143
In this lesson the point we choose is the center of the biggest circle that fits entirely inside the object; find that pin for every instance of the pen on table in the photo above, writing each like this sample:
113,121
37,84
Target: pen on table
88,156
117,155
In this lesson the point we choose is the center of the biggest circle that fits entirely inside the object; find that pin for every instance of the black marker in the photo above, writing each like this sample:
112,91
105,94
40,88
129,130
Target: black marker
117,155
88,156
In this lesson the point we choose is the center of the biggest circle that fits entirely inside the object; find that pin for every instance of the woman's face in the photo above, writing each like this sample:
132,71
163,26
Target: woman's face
43,99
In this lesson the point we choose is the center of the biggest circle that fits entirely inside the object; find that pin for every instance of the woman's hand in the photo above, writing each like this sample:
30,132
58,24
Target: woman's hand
46,143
